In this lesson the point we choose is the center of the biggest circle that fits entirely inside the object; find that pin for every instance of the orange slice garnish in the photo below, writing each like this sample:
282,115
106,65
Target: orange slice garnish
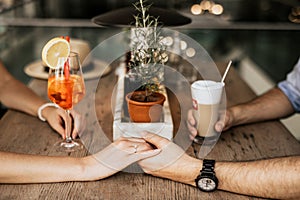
55,48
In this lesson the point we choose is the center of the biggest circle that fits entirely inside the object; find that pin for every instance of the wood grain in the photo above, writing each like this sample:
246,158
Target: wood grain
25,134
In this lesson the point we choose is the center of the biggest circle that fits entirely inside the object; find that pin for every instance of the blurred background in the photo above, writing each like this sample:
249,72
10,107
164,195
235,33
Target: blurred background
262,37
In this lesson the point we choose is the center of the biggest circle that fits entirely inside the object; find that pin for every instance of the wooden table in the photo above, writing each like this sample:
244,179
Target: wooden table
25,134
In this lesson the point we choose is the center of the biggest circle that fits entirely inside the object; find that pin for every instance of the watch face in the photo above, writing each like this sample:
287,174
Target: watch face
206,184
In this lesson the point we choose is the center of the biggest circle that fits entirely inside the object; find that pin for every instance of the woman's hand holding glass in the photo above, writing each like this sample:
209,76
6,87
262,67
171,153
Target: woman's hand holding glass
56,118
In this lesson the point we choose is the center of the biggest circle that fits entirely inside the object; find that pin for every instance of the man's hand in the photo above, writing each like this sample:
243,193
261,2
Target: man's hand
221,125
172,163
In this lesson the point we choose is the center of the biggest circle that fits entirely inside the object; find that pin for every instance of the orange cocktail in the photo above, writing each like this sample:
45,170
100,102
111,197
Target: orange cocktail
66,92
65,84
66,88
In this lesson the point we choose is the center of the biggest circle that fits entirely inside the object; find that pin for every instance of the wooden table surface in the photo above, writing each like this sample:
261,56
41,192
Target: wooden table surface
26,134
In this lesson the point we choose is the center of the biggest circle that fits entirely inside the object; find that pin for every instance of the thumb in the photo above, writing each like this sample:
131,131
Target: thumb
148,153
79,123
219,126
155,139
190,117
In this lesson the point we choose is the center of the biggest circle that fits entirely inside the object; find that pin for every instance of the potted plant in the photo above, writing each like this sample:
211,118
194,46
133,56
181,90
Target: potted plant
146,66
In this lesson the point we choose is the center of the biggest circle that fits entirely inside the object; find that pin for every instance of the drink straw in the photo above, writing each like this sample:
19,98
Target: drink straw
227,69
67,69
66,65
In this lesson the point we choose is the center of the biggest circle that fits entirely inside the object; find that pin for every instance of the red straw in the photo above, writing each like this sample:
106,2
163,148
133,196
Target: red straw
67,38
66,65
67,70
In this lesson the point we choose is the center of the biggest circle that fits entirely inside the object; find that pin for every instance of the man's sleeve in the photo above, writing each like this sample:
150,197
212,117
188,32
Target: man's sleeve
291,87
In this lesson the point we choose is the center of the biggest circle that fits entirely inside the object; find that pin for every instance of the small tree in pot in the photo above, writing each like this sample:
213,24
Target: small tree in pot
146,64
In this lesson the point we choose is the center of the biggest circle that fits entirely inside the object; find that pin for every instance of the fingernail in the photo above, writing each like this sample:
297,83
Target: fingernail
219,127
192,122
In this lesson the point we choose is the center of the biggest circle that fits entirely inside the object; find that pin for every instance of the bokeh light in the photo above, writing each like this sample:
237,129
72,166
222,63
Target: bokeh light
196,9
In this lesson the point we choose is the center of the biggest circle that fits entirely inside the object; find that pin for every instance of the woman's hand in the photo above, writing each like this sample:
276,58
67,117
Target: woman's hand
56,118
118,156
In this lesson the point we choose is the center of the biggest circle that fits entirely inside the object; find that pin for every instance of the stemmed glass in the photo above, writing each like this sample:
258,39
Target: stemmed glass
66,88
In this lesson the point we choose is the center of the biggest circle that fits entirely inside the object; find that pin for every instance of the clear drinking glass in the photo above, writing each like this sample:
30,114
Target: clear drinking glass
66,88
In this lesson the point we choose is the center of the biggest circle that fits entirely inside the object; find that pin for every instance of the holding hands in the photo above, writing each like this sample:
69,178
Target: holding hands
118,156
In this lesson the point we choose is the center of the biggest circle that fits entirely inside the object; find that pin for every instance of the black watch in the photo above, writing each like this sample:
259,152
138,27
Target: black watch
207,181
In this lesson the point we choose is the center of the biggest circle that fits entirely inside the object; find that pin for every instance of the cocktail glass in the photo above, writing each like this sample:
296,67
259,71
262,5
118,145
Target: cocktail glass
66,88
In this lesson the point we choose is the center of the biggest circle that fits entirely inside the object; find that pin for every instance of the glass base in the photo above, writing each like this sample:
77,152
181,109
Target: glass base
208,140
203,145
69,146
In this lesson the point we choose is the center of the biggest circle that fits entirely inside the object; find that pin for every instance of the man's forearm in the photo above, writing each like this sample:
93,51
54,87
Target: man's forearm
274,178
272,105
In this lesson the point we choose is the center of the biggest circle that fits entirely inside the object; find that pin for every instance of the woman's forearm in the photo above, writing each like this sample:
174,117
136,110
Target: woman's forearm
21,168
18,96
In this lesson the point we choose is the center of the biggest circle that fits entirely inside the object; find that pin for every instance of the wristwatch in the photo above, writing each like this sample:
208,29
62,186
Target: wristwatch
207,181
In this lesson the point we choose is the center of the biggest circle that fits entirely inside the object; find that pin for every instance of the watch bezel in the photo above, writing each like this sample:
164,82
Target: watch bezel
210,176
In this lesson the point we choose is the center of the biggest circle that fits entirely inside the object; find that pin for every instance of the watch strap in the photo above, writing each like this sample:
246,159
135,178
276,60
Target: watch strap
208,166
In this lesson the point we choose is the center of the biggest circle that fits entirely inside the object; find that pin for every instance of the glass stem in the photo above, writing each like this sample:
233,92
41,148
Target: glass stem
68,126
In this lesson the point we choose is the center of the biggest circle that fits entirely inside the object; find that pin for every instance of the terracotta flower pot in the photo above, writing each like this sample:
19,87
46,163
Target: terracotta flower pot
145,111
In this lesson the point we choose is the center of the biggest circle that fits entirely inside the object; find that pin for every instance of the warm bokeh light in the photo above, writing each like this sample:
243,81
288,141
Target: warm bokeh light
217,9
183,45
190,52
206,5
196,9
168,41
294,16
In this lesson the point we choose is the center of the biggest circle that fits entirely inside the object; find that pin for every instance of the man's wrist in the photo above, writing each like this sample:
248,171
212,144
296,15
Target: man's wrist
234,113
193,169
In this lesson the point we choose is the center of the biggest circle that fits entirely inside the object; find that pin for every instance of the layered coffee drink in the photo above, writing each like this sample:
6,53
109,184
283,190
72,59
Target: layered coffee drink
206,96
206,116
